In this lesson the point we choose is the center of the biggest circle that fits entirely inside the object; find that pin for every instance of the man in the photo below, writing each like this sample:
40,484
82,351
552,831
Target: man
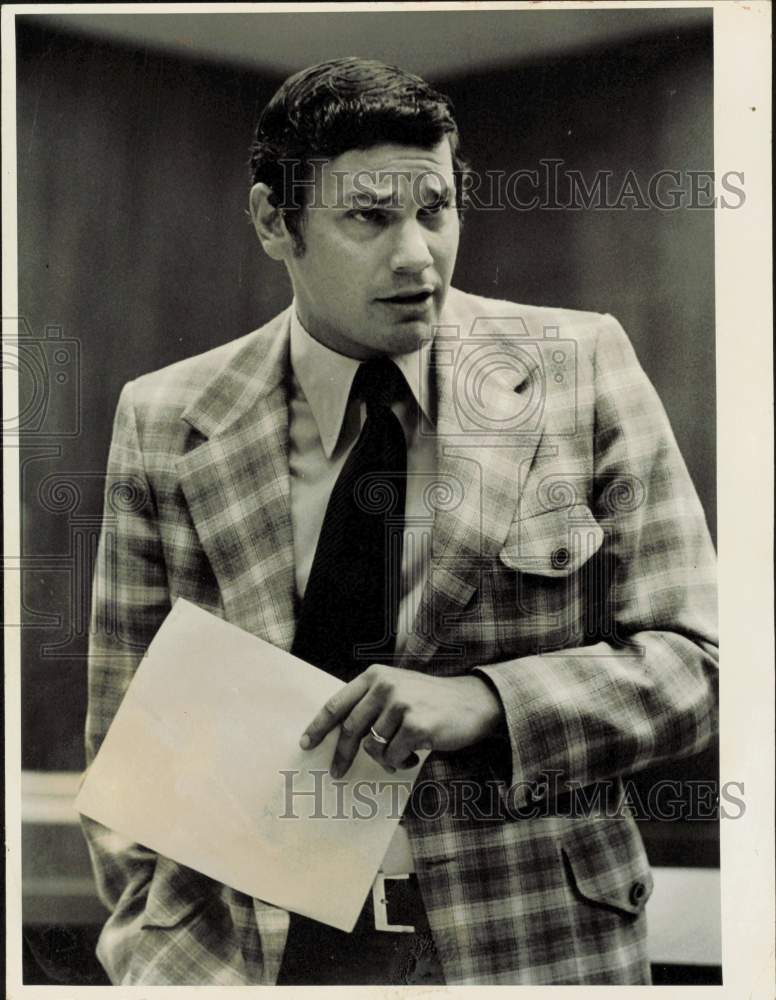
471,511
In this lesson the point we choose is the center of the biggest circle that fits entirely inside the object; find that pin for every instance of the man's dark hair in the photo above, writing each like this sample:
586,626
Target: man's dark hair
339,105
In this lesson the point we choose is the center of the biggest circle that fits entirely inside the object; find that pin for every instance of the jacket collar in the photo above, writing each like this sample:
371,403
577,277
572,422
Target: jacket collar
258,368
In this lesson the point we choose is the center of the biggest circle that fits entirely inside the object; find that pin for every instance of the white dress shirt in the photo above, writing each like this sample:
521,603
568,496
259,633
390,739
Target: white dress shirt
324,426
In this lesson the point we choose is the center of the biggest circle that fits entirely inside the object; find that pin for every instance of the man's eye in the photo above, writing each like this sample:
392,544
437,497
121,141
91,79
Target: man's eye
435,208
370,215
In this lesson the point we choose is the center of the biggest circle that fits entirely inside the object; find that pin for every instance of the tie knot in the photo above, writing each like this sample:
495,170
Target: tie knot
379,382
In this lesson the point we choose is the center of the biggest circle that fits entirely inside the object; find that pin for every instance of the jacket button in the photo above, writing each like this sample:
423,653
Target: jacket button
637,893
560,558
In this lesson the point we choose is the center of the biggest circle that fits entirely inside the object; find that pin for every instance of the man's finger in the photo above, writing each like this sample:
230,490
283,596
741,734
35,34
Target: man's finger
352,731
333,712
386,726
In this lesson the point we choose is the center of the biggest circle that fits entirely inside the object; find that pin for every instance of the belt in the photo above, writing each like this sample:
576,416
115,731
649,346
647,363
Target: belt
396,903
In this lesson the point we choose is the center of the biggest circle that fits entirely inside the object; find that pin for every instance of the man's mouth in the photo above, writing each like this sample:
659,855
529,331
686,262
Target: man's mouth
416,297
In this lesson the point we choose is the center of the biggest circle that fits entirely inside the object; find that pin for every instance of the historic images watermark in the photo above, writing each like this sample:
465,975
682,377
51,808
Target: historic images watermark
315,795
548,185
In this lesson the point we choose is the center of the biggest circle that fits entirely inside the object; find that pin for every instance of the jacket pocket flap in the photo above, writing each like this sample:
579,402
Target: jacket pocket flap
626,886
553,543
175,893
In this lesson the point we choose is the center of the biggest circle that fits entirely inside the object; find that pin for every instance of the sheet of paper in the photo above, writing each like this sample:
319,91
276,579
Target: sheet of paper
202,764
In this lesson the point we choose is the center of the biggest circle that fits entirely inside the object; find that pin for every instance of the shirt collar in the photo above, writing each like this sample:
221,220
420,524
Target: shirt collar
325,377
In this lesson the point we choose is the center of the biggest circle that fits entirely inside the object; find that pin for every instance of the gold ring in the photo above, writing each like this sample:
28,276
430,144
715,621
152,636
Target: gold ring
377,737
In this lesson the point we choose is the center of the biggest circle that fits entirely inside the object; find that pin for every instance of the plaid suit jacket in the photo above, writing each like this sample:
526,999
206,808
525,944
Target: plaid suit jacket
571,565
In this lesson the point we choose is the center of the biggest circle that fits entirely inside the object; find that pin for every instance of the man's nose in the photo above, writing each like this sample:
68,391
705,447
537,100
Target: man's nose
411,252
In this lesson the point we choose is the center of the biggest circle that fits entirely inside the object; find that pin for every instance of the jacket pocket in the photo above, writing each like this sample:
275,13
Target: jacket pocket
175,893
555,543
607,865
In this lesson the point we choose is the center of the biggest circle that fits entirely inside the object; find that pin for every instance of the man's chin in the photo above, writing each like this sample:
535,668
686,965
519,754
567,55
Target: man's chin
411,335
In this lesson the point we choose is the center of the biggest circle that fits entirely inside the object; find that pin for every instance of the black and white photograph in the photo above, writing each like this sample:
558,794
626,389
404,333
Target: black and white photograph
388,495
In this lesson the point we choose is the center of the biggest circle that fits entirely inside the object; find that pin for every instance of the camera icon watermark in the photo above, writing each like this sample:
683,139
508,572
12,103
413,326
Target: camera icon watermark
499,378
48,371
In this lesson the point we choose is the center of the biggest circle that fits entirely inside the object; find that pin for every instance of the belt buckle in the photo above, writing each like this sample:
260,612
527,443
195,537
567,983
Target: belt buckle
380,906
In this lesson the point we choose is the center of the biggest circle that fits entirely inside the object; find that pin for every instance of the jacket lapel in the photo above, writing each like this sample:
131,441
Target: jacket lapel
481,464
236,483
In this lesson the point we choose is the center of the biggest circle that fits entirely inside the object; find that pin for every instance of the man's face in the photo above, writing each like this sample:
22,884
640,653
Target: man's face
379,251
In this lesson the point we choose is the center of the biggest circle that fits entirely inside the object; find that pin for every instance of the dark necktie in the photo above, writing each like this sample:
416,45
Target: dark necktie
350,609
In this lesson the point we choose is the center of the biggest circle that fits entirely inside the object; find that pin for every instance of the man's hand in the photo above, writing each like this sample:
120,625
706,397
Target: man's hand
412,711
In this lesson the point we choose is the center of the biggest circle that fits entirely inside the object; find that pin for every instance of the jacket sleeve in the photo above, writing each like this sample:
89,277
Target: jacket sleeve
645,692
129,602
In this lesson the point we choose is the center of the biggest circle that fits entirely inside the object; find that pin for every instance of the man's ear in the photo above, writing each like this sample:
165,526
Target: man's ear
269,223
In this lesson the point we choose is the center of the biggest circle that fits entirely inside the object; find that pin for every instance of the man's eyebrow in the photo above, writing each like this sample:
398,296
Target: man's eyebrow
390,199
363,197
